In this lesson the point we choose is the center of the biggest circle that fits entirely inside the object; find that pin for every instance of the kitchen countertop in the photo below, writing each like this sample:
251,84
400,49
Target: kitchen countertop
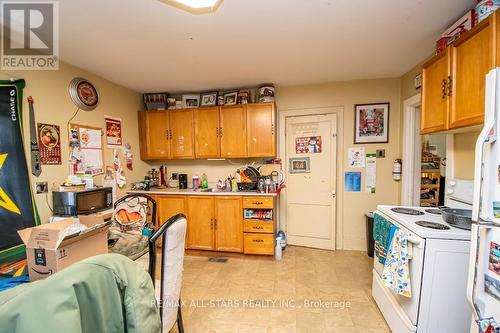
190,191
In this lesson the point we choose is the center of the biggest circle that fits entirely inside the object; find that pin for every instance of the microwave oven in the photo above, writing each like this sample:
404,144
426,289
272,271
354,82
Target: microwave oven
82,202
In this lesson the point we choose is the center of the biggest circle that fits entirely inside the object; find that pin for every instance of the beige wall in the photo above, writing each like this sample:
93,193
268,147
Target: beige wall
464,150
351,207
408,83
53,105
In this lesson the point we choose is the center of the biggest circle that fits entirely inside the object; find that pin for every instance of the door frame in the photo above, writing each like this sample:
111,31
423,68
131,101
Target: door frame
337,239
410,178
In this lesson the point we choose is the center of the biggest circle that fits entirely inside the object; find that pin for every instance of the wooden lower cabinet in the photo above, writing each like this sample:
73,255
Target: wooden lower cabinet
200,215
216,223
228,224
168,206
259,243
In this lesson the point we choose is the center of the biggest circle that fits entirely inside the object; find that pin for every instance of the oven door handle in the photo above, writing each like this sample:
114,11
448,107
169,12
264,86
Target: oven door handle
415,241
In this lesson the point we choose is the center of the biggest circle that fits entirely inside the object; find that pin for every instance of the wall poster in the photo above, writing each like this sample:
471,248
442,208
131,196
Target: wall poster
356,157
49,143
371,173
352,181
308,145
113,132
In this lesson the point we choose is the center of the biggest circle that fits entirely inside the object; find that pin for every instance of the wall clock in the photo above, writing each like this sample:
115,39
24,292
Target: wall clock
83,94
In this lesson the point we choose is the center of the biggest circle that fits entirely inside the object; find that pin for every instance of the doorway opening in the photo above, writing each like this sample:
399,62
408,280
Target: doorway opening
424,160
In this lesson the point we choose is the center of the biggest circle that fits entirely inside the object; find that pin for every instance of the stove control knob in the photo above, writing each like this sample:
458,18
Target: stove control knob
450,191
453,183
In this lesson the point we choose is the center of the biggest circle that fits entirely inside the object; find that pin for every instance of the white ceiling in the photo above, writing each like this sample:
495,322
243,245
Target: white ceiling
149,46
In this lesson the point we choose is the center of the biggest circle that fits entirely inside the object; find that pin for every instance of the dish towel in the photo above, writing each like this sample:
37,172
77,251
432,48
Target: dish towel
396,273
381,233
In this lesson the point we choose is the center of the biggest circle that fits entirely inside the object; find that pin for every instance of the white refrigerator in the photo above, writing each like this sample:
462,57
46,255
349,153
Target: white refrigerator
484,267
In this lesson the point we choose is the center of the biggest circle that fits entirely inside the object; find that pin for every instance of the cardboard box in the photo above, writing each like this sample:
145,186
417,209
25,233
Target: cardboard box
454,32
48,253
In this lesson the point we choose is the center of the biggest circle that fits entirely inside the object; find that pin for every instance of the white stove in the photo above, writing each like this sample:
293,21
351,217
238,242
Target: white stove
438,274
427,214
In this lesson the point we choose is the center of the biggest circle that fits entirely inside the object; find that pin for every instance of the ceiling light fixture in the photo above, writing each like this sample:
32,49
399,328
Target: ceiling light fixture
195,6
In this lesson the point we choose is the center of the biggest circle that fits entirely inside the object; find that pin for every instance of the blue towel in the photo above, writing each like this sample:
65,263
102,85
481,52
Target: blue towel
13,282
381,234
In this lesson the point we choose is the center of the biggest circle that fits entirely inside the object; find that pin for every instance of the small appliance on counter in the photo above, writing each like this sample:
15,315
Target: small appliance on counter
82,202
174,180
183,181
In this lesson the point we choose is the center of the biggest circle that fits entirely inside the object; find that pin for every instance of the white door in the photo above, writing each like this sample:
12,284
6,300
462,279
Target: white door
311,173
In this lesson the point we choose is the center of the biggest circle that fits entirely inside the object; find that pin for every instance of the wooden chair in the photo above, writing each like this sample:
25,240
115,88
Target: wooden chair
172,261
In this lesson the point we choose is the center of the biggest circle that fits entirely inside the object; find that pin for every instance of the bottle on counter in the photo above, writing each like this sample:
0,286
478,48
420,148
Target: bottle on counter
234,185
196,182
204,181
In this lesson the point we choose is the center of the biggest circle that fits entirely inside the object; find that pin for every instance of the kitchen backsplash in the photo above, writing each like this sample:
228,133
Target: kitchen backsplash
214,170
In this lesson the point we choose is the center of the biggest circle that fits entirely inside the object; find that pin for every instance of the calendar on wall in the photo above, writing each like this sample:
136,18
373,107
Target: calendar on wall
49,141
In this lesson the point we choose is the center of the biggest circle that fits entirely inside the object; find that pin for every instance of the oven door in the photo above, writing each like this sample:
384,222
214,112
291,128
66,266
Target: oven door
406,308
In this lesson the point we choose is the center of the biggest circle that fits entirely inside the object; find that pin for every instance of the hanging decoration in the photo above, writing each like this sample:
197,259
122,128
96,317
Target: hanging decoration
128,155
119,173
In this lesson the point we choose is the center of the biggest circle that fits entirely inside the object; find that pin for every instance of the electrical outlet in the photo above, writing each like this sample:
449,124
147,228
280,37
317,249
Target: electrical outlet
380,153
42,187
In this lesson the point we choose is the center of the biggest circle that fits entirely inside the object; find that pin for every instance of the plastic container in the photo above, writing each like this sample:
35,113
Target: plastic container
196,182
278,254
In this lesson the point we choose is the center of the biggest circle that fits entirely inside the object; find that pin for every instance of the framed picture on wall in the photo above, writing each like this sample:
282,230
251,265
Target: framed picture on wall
371,123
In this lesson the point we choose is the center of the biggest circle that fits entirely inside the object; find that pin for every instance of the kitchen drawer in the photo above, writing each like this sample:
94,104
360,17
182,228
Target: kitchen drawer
258,202
259,243
266,227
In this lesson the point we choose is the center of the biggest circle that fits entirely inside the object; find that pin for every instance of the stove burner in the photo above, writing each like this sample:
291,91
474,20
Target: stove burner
407,211
432,225
434,211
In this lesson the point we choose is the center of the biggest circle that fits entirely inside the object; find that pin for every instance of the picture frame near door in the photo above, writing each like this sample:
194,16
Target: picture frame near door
371,123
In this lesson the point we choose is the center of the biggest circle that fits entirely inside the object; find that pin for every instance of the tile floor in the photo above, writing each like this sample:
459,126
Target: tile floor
224,297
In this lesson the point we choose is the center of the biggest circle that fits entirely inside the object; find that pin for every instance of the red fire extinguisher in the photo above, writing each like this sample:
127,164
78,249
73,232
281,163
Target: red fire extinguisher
397,169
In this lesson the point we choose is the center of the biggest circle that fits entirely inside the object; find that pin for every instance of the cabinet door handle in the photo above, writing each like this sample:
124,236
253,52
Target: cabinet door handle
443,89
167,135
258,240
272,129
211,223
450,88
215,224
217,131
220,131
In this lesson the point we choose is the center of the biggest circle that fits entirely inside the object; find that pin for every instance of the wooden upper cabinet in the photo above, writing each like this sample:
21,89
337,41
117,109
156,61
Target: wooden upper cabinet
472,57
233,131
261,140
200,212
228,220
153,133
182,133
434,113
206,128
459,100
